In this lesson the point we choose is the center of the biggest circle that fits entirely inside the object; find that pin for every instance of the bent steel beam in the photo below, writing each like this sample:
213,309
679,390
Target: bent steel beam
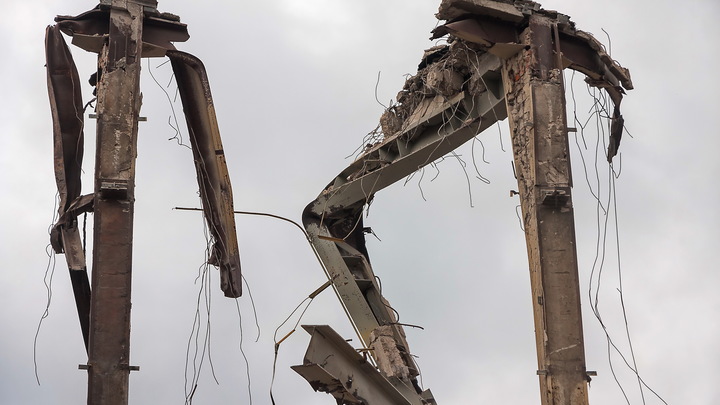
212,172
89,31
495,25
66,108
122,32
439,109
433,127
350,378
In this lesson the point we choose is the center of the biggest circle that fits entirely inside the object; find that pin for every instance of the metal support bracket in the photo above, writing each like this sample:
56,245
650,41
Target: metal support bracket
555,197
114,189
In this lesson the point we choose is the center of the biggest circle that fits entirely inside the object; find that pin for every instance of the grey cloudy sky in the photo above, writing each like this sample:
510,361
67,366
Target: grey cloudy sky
294,84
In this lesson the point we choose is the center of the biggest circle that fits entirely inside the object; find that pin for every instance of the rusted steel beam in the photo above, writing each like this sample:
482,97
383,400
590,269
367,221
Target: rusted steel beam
331,365
439,110
493,25
66,108
90,29
536,109
118,105
212,172
160,30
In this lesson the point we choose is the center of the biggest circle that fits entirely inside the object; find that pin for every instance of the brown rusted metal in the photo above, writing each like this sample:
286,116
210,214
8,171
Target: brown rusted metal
211,167
66,107
123,32
435,115
496,27
90,29
446,103
118,105
348,377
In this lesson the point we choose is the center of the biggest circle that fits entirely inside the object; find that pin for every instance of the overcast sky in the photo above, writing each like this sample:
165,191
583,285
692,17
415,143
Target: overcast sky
294,87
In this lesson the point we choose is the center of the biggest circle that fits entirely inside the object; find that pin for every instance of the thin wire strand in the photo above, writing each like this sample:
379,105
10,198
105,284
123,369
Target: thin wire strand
178,135
242,351
377,83
600,113
254,309
47,282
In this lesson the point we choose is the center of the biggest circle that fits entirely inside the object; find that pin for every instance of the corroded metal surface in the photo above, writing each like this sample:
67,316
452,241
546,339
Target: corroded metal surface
123,32
349,377
211,167
492,24
66,108
456,94
453,97
90,29
118,104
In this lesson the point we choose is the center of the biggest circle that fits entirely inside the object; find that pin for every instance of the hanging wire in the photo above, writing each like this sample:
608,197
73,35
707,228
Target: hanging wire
178,135
472,153
582,135
204,295
254,309
47,282
242,351
309,299
377,83
50,267
463,165
599,111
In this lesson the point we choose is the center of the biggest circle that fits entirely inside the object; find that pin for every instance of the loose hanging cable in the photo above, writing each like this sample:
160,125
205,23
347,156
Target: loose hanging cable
317,256
47,281
310,242
309,300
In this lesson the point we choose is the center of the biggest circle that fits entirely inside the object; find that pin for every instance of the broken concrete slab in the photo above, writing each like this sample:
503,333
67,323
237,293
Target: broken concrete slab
505,10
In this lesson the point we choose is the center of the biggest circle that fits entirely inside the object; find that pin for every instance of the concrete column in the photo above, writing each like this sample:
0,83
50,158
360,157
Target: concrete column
536,109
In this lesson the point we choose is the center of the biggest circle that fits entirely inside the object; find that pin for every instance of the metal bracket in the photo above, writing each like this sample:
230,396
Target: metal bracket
125,366
95,116
555,197
114,189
